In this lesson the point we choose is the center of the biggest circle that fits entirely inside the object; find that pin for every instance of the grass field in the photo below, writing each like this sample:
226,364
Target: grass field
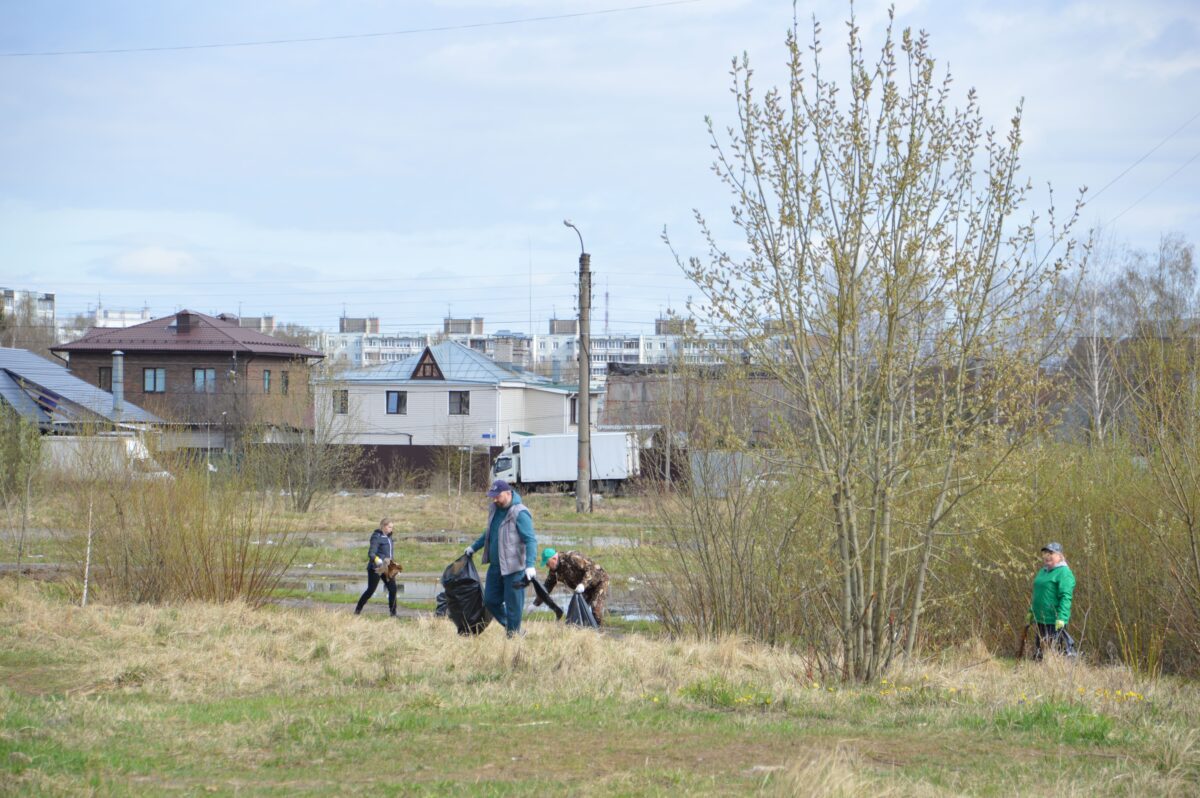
204,699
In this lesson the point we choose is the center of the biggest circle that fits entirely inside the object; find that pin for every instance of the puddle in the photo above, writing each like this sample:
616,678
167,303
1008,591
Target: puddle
443,537
622,601
559,539
411,589
564,541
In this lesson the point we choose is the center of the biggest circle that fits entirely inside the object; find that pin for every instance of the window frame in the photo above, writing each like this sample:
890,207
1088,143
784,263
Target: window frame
154,380
463,405
266,381
206,385
104,378
341,401
401,403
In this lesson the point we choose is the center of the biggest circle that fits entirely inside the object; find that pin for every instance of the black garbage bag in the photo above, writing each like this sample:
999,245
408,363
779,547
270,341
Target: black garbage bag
464,597
442,605
543,596
579,613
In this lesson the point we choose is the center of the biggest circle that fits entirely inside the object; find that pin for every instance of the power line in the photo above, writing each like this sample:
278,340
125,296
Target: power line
1150,152
352,36
1157,186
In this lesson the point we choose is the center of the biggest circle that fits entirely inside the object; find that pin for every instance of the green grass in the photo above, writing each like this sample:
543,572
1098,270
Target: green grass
1052,720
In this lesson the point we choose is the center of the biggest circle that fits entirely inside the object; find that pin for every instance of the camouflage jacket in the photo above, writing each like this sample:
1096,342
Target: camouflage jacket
574,569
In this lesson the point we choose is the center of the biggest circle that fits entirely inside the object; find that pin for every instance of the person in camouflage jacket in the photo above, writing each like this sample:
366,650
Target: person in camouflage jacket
578,573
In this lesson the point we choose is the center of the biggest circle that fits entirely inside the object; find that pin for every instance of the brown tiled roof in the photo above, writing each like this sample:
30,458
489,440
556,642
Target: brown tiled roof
206,334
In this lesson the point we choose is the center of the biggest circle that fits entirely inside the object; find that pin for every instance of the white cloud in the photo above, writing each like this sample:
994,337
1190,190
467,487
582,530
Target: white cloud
404,173
153,262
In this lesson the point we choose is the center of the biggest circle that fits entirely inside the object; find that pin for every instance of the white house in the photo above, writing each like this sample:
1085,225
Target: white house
448,395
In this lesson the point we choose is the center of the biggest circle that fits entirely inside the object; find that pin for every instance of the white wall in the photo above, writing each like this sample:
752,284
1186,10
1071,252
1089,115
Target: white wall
547,413
428,420
512,413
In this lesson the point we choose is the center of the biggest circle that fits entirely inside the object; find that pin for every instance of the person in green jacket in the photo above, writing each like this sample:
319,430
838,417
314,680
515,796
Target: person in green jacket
1053,589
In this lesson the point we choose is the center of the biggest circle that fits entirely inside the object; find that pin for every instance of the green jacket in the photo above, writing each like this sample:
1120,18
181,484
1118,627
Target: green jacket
1053,589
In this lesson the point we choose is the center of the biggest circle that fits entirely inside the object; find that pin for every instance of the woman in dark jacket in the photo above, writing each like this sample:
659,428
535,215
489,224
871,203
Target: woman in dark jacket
379,552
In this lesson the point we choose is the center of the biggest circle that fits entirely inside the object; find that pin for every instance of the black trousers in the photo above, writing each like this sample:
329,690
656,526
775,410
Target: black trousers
373,580
1049,637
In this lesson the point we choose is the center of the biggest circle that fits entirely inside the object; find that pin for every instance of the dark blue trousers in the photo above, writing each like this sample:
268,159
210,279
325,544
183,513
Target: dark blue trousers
504,599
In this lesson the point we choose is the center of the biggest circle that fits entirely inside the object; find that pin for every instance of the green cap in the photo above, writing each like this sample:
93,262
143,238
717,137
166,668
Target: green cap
547,554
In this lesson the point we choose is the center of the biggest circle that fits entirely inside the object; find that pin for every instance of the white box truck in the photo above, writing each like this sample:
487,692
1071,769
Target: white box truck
535,461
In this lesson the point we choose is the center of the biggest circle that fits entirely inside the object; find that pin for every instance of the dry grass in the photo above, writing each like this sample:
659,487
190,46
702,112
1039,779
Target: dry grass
206,650
275,695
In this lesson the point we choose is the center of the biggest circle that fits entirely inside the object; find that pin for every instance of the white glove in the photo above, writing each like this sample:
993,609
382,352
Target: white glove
377,560
529,573
579,587
469,551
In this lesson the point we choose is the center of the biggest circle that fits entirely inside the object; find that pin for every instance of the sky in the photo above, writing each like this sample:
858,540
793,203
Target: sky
428,173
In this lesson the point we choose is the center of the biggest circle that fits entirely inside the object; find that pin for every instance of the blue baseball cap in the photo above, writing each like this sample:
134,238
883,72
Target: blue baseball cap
498,487
1054,547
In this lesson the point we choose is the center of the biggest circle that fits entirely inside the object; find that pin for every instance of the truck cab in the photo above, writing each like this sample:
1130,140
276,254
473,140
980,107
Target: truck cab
505,466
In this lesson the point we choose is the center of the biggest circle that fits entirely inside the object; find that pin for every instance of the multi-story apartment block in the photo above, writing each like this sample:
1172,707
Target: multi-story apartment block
39,307
553,354
109,318
369,349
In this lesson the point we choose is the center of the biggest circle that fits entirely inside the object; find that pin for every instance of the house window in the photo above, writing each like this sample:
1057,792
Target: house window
283,382
341,402
204,380
460,403
266,380
154,380
574,410
105,379
397,403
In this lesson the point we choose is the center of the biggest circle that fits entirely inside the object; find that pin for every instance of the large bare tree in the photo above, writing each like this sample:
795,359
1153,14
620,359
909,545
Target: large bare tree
887,283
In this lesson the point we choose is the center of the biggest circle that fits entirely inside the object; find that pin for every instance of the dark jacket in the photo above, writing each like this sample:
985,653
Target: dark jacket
573,569
381,546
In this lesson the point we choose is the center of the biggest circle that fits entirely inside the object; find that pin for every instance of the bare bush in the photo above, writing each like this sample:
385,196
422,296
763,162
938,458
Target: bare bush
184,538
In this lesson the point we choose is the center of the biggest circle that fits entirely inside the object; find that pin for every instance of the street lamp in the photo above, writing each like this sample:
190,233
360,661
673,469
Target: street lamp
583,413
567,223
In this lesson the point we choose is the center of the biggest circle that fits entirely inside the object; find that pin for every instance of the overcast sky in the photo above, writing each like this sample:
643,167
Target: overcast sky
408,176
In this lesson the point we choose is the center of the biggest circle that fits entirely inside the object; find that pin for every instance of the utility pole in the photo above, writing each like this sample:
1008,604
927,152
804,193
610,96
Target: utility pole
583,405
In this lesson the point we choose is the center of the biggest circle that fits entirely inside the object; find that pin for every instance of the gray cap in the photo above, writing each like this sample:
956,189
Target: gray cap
1054,547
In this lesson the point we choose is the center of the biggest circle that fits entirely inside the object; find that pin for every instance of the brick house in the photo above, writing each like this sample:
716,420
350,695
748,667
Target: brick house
200,371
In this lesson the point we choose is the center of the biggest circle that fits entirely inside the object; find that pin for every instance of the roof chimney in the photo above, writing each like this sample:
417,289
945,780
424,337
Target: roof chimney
118,384
184,321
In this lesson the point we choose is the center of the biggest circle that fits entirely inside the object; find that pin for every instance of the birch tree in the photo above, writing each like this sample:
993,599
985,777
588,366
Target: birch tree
1160,370
888,284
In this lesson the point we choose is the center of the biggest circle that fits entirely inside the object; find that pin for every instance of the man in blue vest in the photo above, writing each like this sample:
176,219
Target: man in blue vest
509,549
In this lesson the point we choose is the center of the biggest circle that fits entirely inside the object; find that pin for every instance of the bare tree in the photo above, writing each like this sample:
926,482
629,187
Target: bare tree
25,329
1160,370
20,465
888,286
312,455
1099,326
296,334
